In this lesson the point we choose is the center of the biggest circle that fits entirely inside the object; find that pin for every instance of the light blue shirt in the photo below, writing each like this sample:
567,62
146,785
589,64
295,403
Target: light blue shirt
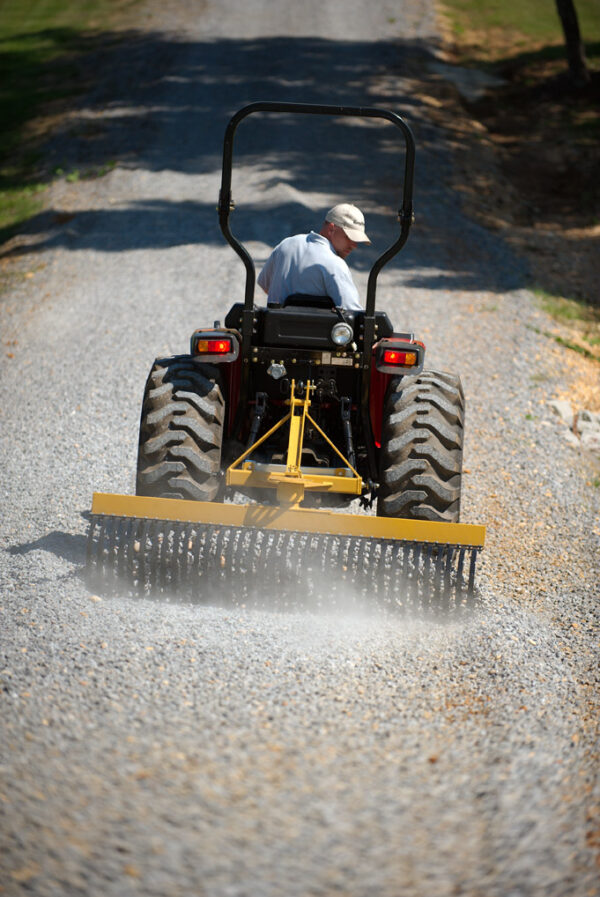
308,263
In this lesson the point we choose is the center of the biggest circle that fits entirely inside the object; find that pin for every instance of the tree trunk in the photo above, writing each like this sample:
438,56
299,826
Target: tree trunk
575,49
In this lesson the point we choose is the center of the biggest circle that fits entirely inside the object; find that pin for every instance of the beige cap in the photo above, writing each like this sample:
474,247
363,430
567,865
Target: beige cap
350,219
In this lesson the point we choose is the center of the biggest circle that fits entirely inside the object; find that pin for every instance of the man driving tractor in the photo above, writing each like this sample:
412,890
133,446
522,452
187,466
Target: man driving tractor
314,264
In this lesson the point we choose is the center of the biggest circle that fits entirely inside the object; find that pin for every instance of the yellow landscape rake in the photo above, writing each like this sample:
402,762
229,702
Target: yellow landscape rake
275,556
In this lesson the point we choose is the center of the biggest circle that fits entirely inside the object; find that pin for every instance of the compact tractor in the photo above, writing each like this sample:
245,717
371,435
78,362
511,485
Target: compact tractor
264,450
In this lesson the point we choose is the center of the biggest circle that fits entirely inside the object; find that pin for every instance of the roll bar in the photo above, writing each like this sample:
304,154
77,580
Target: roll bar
405,213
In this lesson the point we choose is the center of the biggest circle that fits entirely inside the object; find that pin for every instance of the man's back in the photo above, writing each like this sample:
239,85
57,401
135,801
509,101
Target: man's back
307,263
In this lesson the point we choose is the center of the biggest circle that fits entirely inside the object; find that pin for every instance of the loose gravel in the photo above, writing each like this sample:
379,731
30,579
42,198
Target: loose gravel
157,747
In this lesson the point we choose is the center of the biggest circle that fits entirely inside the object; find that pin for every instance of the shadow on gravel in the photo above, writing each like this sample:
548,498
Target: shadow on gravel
161,105
68,546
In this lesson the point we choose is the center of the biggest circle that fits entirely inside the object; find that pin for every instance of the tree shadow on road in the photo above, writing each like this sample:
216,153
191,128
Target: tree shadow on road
162,104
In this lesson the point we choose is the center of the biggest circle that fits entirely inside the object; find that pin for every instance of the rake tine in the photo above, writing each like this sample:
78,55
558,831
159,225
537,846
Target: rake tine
364,561
439,560
346,556
189,555
212,536
268,549
205,551
397,582
336,561
414,586
386,567
382,579
163,556
121,543
230,552
406,549
447,577
427,572
248,555
471,585
143,584
260,541
197,542
177,549
353,550
278,551
217,555
311,548
459,574
249,547
132,561
230,555
175,555
370,564
110,546
152,556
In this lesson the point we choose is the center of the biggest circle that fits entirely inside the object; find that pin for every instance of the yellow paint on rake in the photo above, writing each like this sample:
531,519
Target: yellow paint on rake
291,520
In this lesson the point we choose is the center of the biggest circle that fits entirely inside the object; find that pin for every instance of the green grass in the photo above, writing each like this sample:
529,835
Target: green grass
40,43
571,311
578,318
518,24
575,347
19,203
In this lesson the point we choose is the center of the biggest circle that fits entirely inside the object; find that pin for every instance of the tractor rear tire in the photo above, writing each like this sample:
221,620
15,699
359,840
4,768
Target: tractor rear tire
181,431
421,448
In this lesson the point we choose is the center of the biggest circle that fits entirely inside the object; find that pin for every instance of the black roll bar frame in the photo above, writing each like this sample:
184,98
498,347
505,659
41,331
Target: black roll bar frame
405,218
405,213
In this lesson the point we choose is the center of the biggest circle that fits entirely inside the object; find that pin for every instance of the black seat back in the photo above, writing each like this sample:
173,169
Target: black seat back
302,324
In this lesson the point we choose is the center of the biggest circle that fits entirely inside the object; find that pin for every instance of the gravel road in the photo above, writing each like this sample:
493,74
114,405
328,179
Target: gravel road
154,748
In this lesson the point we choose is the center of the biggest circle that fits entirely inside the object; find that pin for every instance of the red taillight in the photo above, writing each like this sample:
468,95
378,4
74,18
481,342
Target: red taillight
214,346
393,356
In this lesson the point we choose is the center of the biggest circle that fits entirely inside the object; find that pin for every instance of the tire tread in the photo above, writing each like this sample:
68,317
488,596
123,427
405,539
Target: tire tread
181,431
421,452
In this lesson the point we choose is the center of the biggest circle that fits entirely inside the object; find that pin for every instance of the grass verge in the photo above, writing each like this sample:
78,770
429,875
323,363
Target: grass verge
580,320
533,167
42,43
487,31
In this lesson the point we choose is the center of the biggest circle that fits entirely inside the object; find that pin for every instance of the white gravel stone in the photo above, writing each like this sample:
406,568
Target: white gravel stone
587,422
571,438
590,440
588,417
564,410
